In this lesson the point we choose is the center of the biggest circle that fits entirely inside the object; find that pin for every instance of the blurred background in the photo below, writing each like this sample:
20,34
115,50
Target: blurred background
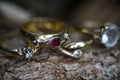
13,13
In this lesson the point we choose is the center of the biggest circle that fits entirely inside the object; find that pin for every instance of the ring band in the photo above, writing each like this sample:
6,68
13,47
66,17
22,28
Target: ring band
45,31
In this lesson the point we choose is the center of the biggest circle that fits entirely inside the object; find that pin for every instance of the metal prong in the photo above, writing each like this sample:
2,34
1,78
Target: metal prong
74,54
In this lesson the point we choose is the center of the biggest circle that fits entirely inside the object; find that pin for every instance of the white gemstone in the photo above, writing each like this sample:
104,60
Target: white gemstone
28,56
110,36
27,52
77,53
105,38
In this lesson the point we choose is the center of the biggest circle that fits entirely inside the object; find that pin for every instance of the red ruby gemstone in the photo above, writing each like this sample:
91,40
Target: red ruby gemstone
55,41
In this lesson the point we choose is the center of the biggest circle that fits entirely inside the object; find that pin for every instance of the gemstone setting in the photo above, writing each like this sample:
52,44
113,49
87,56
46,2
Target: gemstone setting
110,35
77,53
27,52
55,41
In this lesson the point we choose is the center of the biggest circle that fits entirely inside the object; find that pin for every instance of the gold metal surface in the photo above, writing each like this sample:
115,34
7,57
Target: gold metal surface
42,31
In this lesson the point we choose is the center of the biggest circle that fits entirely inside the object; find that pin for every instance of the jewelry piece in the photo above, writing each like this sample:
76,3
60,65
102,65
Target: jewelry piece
107,33
53,33
19,52
110,34
44,31
74,49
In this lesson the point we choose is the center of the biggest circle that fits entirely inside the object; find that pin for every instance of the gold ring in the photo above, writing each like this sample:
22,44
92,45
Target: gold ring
42,32
107,33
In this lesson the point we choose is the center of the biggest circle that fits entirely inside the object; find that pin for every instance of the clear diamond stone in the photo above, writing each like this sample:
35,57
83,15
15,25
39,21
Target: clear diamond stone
27,52
110,35
77,53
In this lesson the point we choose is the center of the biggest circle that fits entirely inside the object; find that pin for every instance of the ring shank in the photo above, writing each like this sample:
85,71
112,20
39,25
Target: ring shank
43,26
40,31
